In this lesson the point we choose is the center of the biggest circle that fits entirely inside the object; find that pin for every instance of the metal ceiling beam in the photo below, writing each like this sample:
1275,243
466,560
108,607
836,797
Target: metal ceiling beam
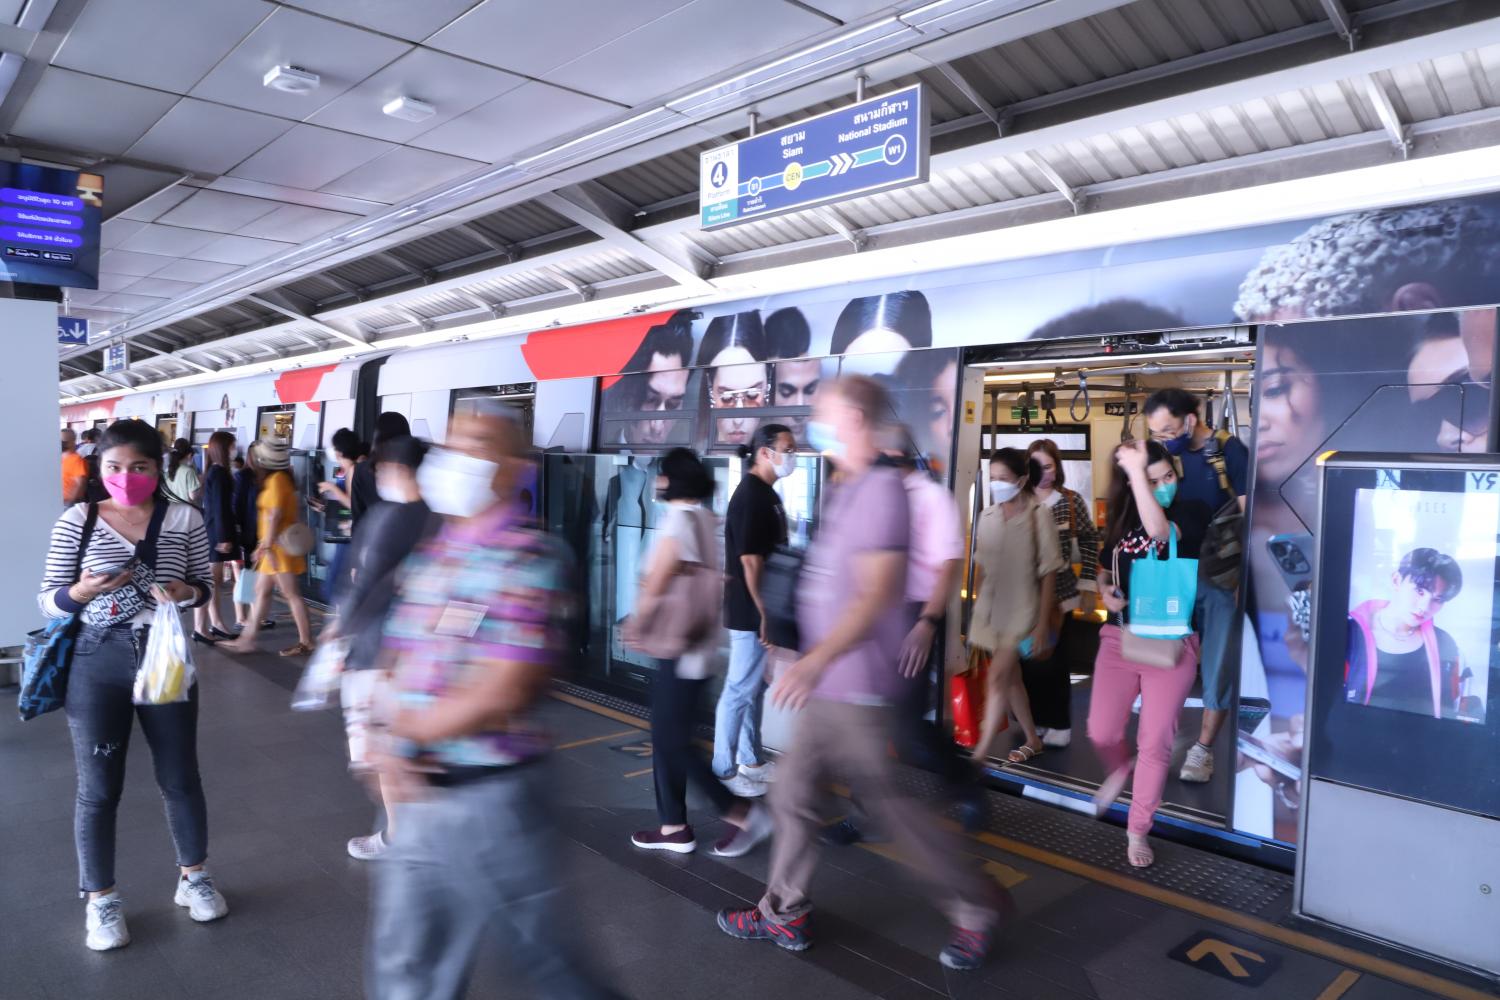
1342,22
99,375
972,94
607,216
836,221
1074,196
269,301
172,355
584,292
1389,119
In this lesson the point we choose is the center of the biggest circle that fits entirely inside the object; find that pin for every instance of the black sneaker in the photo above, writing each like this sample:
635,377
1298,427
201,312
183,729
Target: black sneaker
966,949
840,833
751,925
681,842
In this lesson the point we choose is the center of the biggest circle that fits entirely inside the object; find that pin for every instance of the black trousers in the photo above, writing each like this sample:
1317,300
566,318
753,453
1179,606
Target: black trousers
674,759
1048,682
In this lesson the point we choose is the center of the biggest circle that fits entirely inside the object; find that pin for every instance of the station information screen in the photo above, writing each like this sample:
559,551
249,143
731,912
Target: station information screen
1406,664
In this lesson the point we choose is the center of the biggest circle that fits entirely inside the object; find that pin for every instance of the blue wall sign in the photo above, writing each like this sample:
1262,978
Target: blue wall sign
875,145
116,358
72,331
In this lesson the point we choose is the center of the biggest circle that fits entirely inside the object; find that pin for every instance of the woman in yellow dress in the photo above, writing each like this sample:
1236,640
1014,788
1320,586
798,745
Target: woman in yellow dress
270,461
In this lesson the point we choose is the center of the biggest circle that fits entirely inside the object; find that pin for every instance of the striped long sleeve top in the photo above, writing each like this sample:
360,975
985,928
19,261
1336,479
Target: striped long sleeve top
181,554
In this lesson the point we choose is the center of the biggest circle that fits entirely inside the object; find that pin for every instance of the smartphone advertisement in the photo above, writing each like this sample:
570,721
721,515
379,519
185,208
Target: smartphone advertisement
1405,642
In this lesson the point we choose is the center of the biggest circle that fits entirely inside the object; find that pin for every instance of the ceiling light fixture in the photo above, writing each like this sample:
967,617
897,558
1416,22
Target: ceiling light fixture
409,109
291,79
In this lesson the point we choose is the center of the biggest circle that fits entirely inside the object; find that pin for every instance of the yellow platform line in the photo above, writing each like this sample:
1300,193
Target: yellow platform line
637,774
596,739
1339,986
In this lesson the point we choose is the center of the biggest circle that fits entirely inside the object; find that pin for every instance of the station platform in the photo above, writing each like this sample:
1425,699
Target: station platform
281,807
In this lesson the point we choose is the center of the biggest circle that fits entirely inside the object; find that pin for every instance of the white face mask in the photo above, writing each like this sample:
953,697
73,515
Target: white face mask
1001,491
784,465
457,485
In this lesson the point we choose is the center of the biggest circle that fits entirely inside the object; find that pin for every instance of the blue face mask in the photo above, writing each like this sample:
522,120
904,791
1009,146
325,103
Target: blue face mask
1165,494
1178,444
824,438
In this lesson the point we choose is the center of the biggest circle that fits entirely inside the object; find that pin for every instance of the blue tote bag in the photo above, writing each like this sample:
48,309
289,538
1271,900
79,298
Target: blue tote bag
1162,592
49,651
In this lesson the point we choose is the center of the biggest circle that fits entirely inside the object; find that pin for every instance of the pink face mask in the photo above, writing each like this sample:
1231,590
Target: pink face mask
131,488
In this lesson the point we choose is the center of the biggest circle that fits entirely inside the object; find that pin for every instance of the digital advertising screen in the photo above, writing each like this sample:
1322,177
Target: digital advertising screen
49,225
1406,642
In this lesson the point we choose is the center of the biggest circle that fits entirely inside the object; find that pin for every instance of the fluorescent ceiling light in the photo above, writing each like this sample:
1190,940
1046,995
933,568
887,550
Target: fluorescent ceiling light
291,79
409,109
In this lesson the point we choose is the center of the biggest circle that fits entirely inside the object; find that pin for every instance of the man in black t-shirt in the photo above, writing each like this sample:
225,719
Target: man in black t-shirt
754,526
1174,420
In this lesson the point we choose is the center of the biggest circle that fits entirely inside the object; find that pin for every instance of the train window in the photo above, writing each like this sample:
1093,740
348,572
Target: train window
648,411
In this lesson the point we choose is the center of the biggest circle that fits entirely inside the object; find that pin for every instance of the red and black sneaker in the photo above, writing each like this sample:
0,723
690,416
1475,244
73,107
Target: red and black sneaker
966,949
752,925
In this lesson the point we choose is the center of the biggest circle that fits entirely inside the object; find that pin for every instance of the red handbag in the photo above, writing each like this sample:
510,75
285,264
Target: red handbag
966,695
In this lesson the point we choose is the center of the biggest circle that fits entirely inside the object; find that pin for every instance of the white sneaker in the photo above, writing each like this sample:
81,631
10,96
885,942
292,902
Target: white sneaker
742,841
368,848
762,773
196,892
1057,738
1199,765
105,920
744,787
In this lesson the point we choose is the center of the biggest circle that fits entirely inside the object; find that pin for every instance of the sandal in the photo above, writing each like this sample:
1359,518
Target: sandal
301,649
1024,753
1138,851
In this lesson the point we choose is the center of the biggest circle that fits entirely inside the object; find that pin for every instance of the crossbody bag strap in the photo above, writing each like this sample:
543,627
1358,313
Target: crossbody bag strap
146,547
89,520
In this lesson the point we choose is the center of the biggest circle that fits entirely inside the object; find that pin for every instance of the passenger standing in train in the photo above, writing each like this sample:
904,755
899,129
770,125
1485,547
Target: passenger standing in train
754,526
1048,681
853,617
75,471
686,535
479,623
246,493
223,534
89,442
346,454
183,480
1214,471
1145,508
1016,560
276,507
140,544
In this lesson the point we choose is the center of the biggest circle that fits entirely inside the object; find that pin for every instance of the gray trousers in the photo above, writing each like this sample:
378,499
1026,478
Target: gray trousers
465,858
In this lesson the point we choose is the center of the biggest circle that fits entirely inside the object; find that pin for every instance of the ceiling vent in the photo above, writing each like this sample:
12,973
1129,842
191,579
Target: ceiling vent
409,109
291,79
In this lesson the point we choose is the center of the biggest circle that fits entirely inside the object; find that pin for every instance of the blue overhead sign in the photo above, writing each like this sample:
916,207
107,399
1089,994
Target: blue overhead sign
72,331
116,358
872,146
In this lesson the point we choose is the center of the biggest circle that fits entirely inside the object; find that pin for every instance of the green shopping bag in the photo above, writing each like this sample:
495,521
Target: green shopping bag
1162,592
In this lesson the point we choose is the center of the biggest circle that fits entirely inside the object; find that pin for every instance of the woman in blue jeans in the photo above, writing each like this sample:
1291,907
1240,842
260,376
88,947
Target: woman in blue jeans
754,526
139,546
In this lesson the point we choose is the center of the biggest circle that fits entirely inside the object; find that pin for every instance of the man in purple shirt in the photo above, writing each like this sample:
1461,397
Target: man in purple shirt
853,618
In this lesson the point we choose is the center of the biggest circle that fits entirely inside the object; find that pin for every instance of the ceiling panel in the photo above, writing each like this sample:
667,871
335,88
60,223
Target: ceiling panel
533,38
514,121
400,174
195,270
217,211
413,20
450,84
169,241
295,223
855,10
206,138
115,230
239,250
340,54
128,262
114,281
164,287
165,44
155,204
309,157
129,302
86,113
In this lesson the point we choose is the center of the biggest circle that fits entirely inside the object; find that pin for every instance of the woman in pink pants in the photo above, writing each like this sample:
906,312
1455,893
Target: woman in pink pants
1142,513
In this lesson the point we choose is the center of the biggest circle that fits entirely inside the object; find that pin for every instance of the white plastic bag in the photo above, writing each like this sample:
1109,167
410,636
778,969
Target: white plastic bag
166,673
322,677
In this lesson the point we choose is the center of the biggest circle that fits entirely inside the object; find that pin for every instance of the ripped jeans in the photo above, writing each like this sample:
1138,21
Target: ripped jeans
100,715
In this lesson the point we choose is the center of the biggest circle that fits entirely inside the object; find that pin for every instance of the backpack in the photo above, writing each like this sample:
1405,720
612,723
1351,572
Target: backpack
1221,559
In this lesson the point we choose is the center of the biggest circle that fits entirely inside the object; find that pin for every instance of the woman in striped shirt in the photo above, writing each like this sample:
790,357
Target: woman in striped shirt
115,596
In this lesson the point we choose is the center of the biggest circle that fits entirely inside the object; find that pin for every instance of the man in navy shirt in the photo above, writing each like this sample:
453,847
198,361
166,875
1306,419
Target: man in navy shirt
1173,418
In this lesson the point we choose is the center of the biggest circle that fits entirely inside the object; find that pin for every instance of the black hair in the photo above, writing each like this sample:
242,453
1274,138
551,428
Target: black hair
237,461
1021,465
1425,567
182,450
906,313
390,425
1178,402
787,334
734,330
687,477
140,437
402,450
1120,315
672,339
764,437
1123,517
1049,446
90,434
347,443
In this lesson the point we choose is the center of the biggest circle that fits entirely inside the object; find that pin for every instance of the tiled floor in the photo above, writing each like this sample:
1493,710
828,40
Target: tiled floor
281,808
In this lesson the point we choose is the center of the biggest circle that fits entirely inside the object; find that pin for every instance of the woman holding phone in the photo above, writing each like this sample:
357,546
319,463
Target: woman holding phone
139,546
